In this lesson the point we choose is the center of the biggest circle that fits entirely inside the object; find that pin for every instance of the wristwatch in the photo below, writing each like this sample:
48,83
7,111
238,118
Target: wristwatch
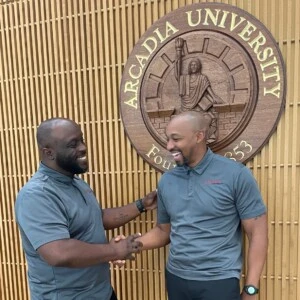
250,289
139,204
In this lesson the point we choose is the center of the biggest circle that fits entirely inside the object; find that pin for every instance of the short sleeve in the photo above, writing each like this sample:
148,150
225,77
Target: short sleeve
248,198
162,215
45,223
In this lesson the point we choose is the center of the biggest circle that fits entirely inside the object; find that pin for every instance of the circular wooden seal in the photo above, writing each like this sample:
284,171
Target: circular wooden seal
209,57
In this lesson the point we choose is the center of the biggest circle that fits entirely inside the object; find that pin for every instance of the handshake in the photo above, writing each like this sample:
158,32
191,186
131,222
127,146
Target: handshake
125,247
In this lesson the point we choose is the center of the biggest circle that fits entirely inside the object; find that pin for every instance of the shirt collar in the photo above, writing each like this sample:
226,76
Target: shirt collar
203,164
55,174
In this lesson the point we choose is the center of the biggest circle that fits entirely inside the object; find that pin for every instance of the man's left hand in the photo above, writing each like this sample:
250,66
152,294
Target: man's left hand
150,200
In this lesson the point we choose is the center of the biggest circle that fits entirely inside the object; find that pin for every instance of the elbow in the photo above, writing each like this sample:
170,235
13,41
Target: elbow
166,241
60,253
108,226
55,261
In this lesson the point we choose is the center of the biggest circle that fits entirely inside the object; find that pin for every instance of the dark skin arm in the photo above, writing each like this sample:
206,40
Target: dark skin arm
73,253
116,217
256,230
76,254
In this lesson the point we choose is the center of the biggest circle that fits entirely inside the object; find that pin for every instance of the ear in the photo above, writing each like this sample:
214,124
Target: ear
48,153
200,136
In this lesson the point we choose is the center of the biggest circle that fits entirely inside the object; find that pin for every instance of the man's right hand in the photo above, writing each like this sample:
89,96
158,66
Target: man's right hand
124,248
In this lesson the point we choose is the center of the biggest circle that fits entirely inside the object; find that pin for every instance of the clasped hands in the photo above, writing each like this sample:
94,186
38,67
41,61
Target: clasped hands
125,247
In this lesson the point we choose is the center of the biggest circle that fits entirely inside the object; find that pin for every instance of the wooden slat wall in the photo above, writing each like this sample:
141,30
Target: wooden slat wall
65,58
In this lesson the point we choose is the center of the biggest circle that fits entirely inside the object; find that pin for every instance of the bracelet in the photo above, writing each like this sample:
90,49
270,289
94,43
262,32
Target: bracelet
140,206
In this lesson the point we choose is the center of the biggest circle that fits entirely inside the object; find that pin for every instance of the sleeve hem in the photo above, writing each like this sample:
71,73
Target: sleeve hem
254,214
50,239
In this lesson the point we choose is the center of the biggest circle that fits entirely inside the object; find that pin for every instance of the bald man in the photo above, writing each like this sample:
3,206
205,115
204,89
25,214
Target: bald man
203,203
62,225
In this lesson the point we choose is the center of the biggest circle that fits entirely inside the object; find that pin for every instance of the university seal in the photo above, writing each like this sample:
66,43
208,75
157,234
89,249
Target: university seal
208,57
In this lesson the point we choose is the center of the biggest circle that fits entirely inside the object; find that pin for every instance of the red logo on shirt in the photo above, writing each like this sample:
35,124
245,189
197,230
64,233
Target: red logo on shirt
212,181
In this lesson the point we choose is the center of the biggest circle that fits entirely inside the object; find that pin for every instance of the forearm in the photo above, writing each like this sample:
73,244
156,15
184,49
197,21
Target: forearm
73,253
116,217
257,253
157,237
258,247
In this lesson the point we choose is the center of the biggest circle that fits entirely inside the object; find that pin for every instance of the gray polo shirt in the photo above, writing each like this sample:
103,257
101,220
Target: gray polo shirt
205,205
52,206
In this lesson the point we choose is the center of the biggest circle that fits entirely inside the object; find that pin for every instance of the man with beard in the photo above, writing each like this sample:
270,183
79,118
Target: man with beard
62,225
203,204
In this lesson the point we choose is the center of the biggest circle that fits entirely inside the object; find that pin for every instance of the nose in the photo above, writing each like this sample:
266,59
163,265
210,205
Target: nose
82,147
170,145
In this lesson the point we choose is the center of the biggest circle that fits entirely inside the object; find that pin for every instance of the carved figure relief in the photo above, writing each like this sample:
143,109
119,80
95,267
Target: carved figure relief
195,89
204,72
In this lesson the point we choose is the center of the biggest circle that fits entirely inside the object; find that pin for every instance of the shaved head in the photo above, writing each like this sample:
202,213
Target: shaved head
196,120
61,146
45,132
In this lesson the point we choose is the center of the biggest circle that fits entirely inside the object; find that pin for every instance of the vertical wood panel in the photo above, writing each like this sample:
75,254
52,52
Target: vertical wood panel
296,153
65,58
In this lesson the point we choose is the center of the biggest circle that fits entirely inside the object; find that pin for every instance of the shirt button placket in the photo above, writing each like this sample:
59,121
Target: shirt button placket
190,184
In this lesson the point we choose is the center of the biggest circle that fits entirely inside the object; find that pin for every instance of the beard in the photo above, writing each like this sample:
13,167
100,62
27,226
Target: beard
182,162
70,165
